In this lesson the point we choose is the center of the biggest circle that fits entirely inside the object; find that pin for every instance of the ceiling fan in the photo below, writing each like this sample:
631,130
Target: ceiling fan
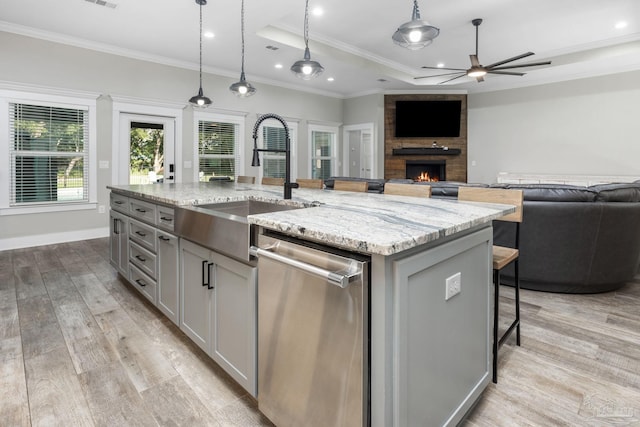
478,70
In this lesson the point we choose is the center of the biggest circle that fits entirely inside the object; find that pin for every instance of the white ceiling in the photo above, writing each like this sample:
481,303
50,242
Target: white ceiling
352,39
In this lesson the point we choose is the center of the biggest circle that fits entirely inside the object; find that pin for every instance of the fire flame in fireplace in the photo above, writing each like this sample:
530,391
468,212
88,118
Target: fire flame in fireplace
425,177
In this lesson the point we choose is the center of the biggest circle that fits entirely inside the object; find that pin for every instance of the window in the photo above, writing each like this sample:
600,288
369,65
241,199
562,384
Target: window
324,162
219,146
273,137
50,155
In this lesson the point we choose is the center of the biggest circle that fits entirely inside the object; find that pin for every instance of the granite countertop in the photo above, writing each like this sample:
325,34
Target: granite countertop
364,222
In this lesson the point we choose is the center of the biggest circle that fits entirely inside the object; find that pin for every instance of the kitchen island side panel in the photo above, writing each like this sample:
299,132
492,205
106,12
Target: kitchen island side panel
437,357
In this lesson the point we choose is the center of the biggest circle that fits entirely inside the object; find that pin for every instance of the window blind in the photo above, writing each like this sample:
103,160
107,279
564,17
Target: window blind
49,155
274,164
217,149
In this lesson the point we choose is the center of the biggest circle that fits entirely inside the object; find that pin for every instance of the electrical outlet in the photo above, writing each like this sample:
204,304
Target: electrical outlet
453,285
101,209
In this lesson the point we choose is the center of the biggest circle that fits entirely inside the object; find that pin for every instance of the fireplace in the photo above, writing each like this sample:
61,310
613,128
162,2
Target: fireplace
426,170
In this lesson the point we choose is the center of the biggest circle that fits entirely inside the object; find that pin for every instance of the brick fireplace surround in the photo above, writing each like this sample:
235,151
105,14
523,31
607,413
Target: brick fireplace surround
395,164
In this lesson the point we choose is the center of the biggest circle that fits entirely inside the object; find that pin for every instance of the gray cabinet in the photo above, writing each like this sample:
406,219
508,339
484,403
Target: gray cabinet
119,242
219,310
168,279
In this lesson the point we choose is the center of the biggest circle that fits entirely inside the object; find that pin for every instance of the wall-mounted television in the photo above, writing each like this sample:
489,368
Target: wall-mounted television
428,119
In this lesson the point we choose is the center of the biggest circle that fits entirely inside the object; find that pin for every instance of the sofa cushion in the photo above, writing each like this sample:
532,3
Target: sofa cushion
375,185
618,192
555,192
449,188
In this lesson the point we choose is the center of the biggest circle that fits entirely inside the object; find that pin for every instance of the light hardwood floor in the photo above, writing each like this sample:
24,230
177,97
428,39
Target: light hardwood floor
78,346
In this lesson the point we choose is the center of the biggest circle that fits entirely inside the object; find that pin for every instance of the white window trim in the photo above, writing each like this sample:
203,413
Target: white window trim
334,150
293,139
19,97
222,118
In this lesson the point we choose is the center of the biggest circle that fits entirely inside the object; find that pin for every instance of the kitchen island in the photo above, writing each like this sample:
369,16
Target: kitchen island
429,350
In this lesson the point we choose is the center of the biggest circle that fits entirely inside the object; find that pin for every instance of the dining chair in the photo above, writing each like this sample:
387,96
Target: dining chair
243,179
414,190
358,186
272,181
502,256
310,183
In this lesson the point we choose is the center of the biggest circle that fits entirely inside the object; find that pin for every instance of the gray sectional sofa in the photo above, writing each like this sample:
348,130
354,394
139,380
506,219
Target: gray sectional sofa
572,239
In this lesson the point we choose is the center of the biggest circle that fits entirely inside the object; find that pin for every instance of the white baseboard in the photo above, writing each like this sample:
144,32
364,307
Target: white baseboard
52,238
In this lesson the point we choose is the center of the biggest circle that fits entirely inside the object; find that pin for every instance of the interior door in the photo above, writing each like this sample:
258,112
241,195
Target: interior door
147,149
360,155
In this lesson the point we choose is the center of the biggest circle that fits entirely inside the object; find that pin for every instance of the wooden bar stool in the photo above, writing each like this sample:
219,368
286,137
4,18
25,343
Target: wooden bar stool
310,183
243,179
272,181
358,186
502,256
414,190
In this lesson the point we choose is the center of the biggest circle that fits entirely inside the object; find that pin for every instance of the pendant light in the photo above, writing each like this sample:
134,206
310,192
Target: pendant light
416,33
200,100
306,69
243,88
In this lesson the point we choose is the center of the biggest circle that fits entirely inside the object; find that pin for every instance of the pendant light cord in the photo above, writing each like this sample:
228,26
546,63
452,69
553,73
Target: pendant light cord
242,30
200,3
306,25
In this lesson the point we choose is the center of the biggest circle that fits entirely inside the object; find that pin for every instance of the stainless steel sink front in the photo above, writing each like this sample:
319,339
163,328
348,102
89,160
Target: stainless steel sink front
223,227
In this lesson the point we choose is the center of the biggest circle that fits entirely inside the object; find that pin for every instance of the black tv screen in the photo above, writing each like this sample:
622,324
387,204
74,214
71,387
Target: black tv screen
431,119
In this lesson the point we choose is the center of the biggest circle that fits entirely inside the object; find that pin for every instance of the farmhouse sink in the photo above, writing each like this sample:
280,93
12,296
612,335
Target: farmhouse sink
223,227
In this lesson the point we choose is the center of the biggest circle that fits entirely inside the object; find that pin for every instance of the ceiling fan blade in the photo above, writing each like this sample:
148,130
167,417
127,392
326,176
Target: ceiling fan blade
446,81
532,64
474,61
515,58
443,68
506,73
436,75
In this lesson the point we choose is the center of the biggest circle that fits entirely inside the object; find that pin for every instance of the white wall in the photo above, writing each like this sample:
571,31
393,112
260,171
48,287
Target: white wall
587,126
25,60
367,109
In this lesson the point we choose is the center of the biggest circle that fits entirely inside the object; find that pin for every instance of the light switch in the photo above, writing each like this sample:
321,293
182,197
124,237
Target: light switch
103,164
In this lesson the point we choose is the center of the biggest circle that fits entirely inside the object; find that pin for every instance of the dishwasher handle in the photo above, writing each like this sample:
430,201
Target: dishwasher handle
335,278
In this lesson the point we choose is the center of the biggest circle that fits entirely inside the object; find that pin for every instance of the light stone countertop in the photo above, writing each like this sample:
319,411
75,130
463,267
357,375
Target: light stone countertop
363,222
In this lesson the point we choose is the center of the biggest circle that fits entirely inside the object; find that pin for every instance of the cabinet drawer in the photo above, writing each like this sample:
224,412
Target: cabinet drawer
119,202
143,259
165,218
145,284
142,210
142,234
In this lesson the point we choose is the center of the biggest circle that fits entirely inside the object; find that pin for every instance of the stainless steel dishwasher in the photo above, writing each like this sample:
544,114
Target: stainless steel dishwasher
313,336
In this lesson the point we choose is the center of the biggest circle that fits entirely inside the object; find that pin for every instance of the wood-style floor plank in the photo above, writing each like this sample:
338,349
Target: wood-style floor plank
80,346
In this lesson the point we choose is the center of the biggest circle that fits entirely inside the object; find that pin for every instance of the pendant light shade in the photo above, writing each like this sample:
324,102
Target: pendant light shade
416,33
200,100
307,69
243,88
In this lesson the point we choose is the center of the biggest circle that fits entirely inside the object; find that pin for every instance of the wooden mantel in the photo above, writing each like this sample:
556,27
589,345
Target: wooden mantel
398,150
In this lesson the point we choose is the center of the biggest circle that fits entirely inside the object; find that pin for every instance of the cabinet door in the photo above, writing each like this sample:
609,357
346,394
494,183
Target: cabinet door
234,323
119,242
168,267
195,272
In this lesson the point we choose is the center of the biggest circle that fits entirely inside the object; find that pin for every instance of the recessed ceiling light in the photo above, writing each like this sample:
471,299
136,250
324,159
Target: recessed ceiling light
330,79
620,25
440,65
317,11
209,34
278,66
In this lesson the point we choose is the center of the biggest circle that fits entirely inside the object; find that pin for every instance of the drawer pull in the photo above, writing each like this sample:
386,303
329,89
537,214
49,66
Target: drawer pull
166,219
164,239
141,234
140,210
139,258
141,283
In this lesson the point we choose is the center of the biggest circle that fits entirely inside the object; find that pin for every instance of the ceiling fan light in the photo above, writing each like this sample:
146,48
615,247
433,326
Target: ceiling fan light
476,72
306,69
